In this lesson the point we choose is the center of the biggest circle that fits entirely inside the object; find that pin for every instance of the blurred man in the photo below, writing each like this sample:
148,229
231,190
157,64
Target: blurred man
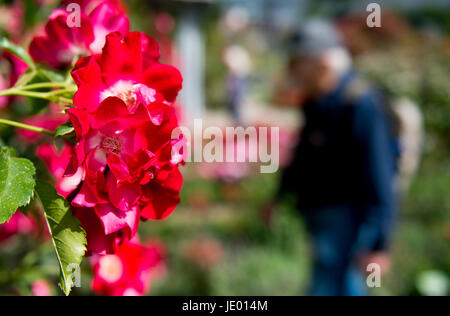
344,166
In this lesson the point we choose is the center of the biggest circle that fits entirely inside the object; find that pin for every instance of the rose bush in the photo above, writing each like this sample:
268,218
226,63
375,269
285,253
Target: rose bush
107,142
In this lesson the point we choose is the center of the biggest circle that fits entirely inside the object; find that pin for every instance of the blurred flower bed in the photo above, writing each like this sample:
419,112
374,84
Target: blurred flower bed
218,244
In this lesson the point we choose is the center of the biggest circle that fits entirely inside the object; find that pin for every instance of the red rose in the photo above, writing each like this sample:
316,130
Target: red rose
123,123
61,43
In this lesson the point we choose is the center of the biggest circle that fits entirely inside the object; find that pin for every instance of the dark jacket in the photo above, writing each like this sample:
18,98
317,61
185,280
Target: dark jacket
346,156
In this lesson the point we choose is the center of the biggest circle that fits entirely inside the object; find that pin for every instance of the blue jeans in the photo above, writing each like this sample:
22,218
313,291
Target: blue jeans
334,231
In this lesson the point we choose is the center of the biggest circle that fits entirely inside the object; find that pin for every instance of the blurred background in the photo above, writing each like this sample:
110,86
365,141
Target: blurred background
233,57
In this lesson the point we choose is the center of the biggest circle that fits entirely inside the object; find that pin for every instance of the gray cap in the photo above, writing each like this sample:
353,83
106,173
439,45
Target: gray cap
313,38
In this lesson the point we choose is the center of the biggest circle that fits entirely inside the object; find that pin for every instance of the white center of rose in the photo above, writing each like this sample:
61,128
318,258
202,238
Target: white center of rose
130,92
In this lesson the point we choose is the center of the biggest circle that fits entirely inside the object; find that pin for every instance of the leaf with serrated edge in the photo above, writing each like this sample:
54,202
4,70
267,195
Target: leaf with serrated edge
16,183
69,239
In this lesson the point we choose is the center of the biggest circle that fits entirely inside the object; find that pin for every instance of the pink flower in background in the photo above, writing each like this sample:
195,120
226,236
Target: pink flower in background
3,85
11,18
43,121
235,171
230,171
14,68
41,288
129,271
18,224
60,43
164,25
50,120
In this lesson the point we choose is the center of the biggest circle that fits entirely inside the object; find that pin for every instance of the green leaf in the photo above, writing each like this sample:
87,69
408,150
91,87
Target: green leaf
64,129
69,239
16,182
18,51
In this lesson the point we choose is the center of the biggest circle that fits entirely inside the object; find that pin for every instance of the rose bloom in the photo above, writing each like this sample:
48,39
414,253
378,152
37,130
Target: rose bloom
128,68
60,43
123,119
128,272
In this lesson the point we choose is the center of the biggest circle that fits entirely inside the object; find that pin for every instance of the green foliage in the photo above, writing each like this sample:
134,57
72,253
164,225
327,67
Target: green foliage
260,271
17,182
64,129
69,239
